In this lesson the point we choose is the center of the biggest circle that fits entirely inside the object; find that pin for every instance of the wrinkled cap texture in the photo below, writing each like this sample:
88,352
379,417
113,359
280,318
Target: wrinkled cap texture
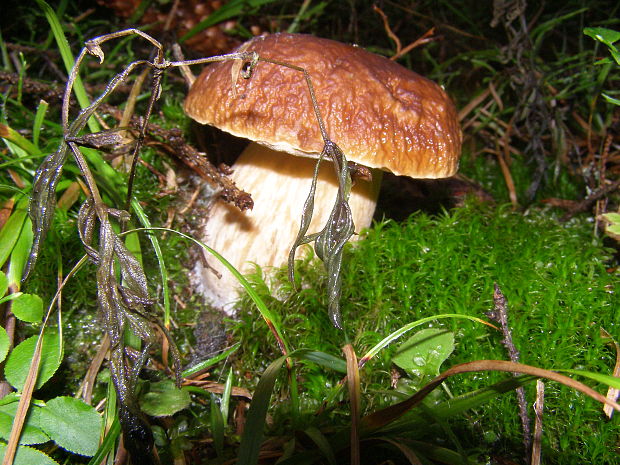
381,114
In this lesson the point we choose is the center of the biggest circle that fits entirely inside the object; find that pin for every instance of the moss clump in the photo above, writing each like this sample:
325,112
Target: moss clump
559,293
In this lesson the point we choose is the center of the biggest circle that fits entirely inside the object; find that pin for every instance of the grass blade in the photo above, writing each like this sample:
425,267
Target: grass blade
13,136
38,122
217,426
323,359
144,220
267,315
10,232
68,60
107,444
322,444
255,421
226,396
609,380
231,9
404,449
210,362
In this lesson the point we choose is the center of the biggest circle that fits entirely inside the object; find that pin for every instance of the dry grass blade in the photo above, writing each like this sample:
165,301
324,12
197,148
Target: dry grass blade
24,404
385,416
353,382
218,388
124,301
31,379
500,314
612,393
538,411
467,109
5,210
503,156
329,243
86,390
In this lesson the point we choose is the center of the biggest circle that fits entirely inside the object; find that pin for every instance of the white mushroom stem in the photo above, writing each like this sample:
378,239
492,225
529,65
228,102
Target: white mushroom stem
279,184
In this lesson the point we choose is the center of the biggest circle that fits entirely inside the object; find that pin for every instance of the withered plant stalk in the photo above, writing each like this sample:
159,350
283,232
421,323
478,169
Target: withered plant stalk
123,297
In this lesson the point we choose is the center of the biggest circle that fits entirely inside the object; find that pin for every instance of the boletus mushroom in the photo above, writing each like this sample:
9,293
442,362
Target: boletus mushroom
382,115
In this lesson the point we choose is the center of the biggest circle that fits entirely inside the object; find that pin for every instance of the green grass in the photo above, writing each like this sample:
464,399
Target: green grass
559,293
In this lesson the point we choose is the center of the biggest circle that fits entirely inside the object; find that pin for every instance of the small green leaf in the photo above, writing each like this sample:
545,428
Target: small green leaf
602,34
225,402
19,255
31,433
4,344
612,217
424,352
612,225
4,284
28,308
28,456
10,398
11,229
18,363
217,426
163,399
607,37
613,230
72,424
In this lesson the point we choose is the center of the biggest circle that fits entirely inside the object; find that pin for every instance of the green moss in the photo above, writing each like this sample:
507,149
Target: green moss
559,295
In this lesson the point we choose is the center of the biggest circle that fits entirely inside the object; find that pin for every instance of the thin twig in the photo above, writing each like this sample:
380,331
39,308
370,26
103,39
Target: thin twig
400,51
388,29
500,315
586,203
425,38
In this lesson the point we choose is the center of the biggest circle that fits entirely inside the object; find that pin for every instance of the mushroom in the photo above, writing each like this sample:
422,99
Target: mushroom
382,115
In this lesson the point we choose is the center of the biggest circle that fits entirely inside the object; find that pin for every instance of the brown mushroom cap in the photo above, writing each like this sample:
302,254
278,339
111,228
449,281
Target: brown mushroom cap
381,114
